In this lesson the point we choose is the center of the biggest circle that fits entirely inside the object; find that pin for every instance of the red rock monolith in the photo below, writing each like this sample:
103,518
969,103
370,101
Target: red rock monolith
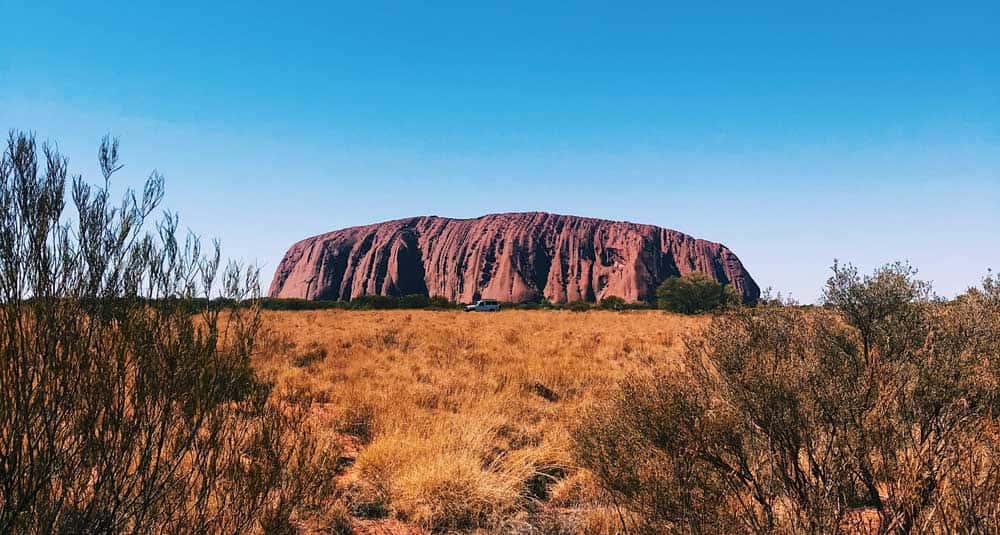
514,257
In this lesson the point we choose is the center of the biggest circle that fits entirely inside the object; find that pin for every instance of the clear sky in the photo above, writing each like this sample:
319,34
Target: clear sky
792,132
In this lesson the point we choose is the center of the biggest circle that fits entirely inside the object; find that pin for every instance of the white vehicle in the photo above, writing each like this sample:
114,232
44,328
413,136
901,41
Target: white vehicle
484,305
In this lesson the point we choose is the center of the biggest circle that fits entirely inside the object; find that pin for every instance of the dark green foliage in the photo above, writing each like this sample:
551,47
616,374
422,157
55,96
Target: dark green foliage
414,301
269,303
694,293
440,302
374,302
578,306
613,302
365,302
879,408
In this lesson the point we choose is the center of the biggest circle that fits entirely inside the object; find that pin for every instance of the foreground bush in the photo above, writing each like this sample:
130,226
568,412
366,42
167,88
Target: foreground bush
120,410
876,414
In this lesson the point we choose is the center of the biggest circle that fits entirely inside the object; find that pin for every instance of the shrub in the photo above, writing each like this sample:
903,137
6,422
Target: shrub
613,302
578,306
441,302
374,302
414,301
878,409
271,303
123,407
364,302
694,293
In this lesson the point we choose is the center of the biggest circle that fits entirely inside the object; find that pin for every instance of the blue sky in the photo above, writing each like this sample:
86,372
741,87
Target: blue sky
793,132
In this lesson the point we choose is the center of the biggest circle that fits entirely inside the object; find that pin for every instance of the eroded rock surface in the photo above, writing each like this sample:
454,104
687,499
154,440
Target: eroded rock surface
510,257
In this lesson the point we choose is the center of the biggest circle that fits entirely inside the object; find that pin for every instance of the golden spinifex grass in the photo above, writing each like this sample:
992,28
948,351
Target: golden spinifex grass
460,421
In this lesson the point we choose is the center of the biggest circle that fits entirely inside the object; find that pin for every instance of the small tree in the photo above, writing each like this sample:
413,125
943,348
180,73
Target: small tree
414,301
374,302
694,293
441,302
612,302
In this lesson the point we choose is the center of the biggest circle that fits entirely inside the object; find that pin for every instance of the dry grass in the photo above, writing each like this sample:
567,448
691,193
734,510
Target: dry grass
459,421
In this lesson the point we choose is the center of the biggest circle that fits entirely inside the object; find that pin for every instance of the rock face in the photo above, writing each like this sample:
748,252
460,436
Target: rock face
510,257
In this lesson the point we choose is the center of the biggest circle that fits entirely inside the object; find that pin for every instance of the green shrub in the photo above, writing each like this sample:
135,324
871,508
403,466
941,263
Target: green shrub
364,302
414,301
578,306
270,303
545,304
374,302
694,293
441,302
613,302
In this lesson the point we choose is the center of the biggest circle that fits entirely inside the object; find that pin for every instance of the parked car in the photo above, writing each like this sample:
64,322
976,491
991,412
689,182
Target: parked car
484,305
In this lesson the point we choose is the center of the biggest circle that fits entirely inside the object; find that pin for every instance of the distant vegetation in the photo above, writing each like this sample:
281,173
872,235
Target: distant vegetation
695,293
364,302
613,302
419,301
